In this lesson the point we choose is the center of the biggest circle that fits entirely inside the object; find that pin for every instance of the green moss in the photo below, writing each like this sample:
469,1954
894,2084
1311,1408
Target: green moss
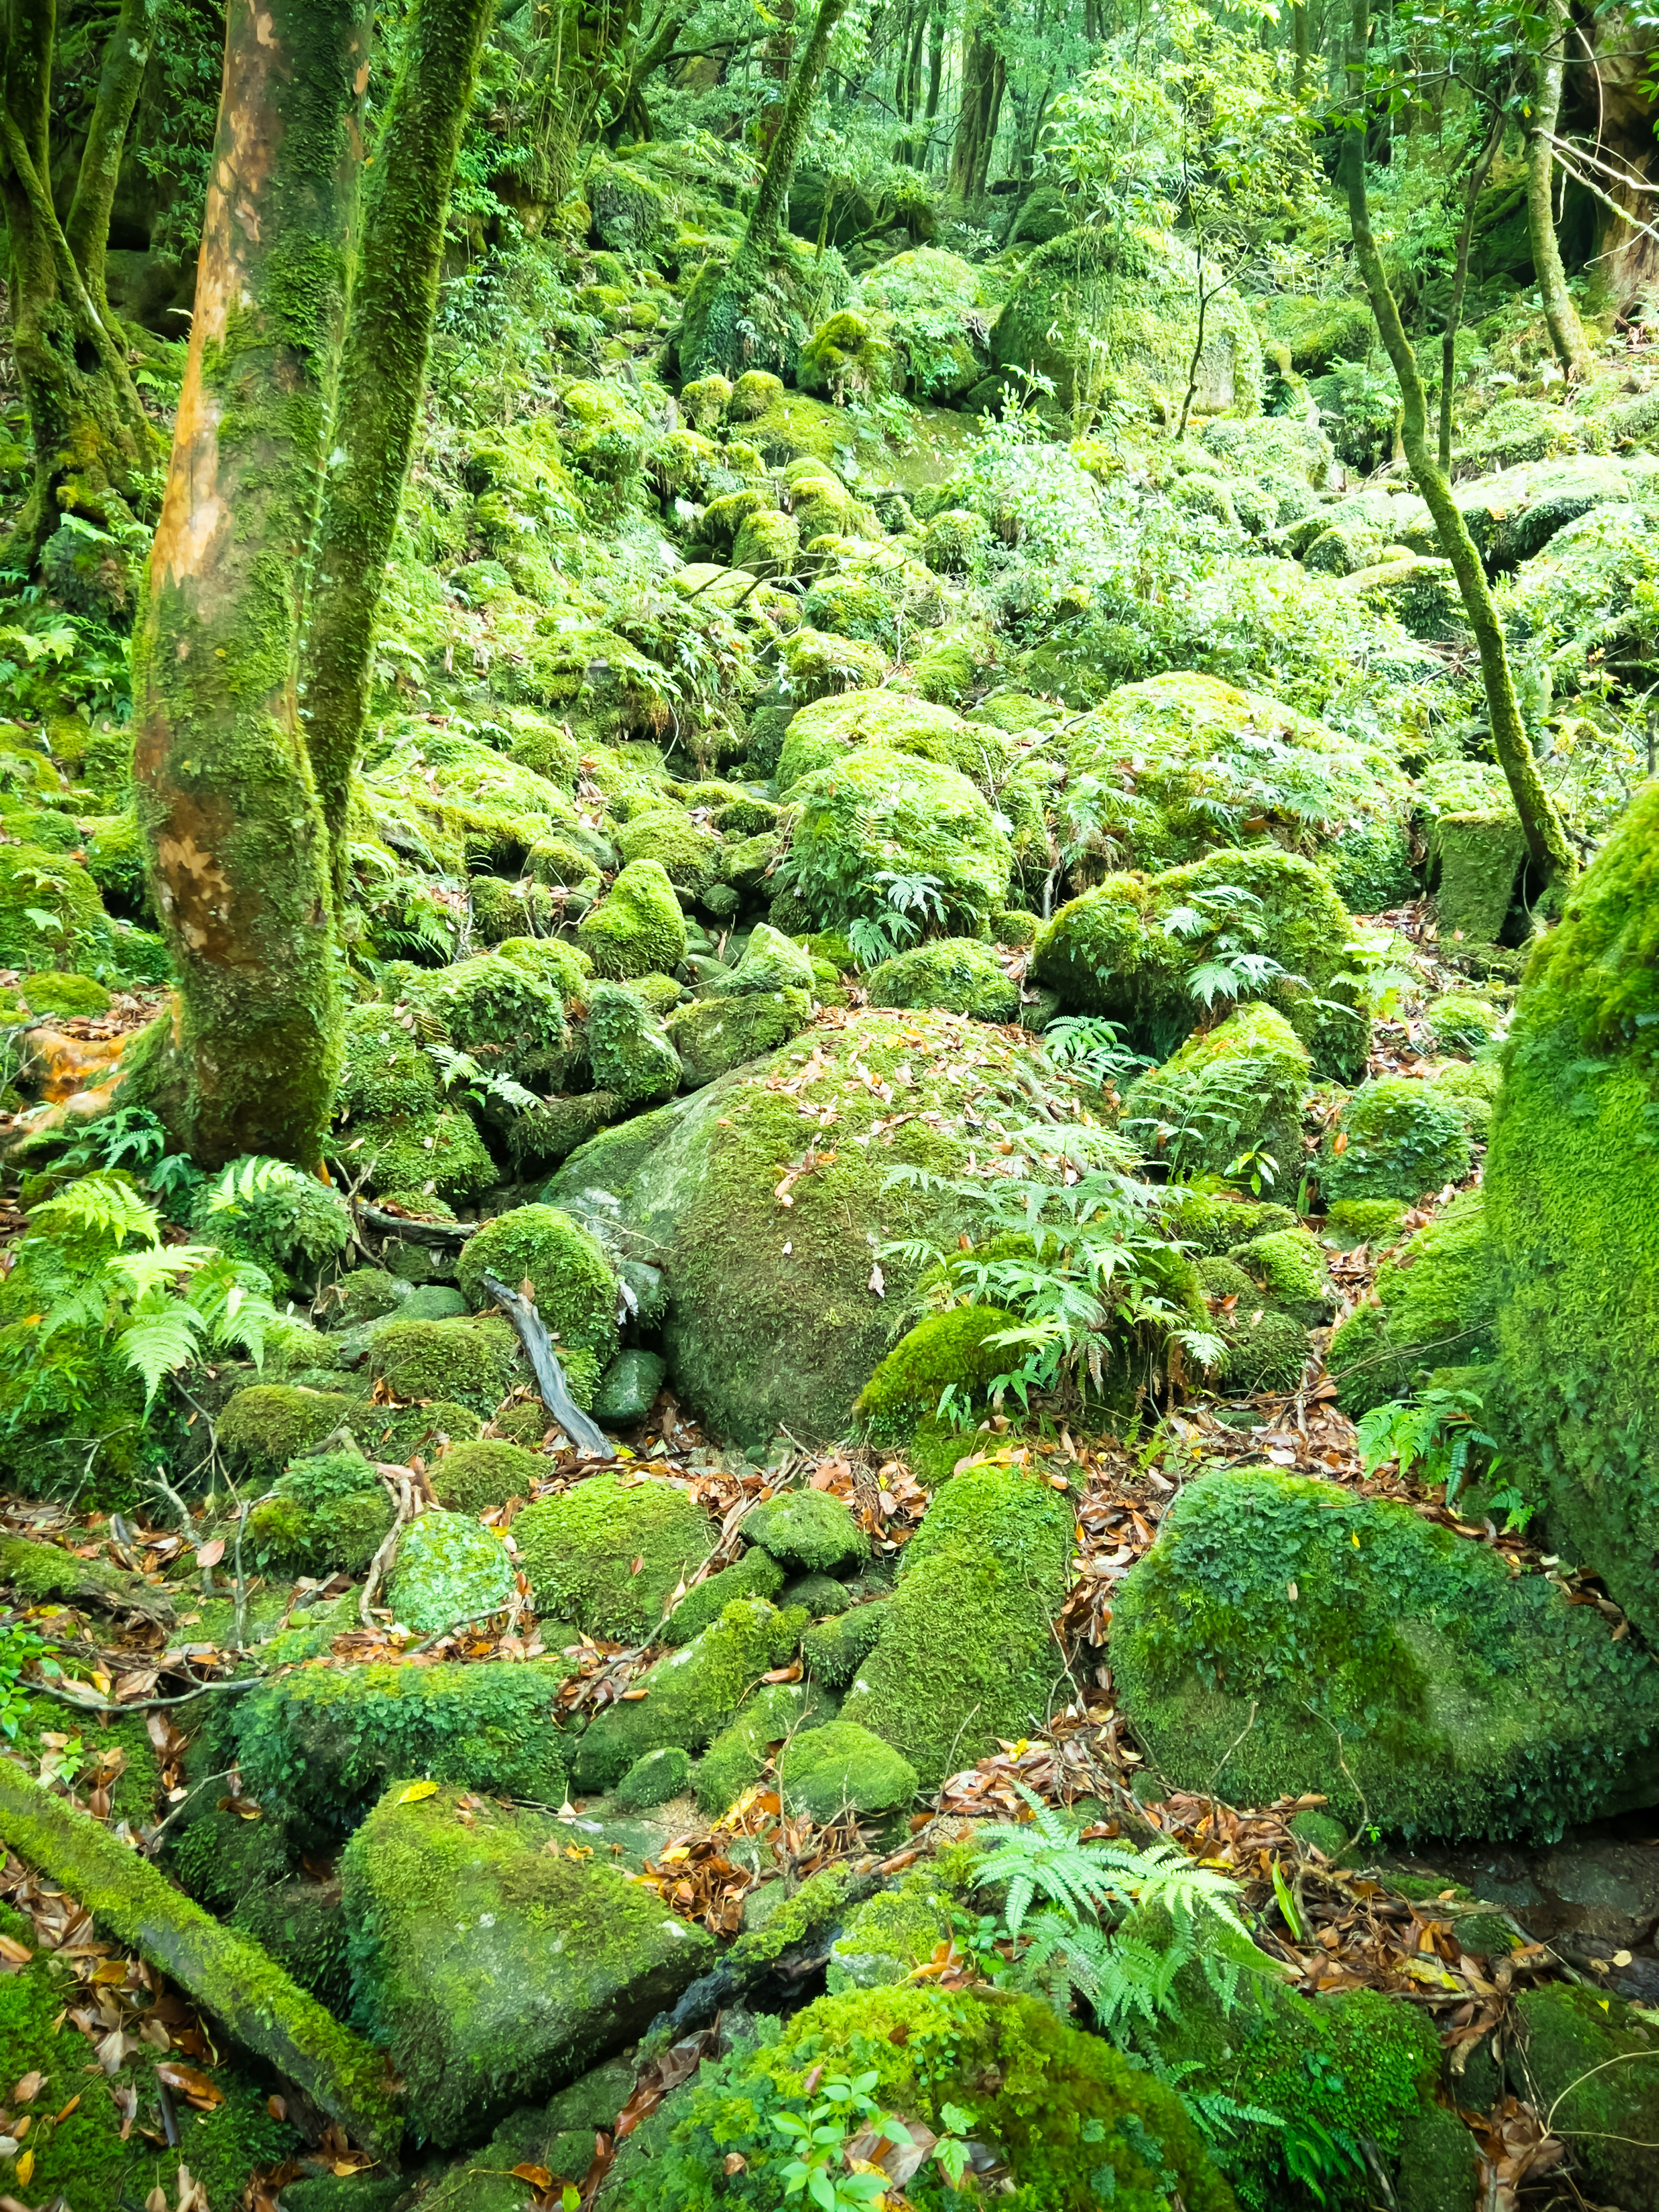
1077,2125
879,810
50,909
1365,1220
53,993
1403,1140
1594,2065
1266,1351
440,1152
1289,1262
1475,858
711,1037
842,1767
384,1074
737,1759
318,1746
1462,1021
220,1858
451,1924
891,1934
1231,1092
633,1059
958,975
757,1574
470,1361
327,1513
570,1278
269,1424
652,1780
817,664
398,1432
301,1924
966,1654
691,1695
823,733
807,1531
578,1550
689,855
1467,1702
473,1476
638,928
945,1351
448,1569
835,1649
1219,1221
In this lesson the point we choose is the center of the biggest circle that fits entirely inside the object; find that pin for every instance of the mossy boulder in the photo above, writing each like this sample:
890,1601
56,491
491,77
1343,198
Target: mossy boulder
1394,1138
834,1648
471,1477
437,1154
1111,951
693,1694
1075,2122
966,1653
569,1276
269,1424
470,1361
826,731
1436,1306
633,1062
757,1574
1464,1701
326,1514
886,1939
449,1569
843,1768
1228,1094
652,1780
1463,1021
806,1531
580,1550
638,927
50,909
1572,1193
943,1352
384,1074
771,961
318,1745
756,1332
1593,2064
689,855
711,1037
957,974
737,1759
509,1010
491,1969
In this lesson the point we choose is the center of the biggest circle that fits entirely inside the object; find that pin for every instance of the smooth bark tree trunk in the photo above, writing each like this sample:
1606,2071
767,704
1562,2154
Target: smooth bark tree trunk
238,847
394,295
1546,842
95,453
1566,332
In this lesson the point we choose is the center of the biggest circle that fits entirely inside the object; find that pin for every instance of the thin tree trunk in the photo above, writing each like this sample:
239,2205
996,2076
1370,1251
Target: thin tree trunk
766,217
1478,176
971,150
394,294
94,448
238,847
1566,332
87,226
1299,41
1546,842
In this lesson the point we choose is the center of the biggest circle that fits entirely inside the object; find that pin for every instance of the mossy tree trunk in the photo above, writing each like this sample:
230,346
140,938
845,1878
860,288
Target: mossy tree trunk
96,454
1546,842
750,274
236,814
1472,192
984,79
1566,332
394,294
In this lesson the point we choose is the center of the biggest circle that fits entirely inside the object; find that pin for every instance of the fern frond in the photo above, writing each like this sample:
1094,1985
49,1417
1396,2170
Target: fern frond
102,1206
159,1344
255,1177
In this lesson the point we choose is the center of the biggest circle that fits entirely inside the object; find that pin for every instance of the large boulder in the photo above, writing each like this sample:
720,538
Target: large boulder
1572,1202
779,1312
1128,299
492,1964
1285,1635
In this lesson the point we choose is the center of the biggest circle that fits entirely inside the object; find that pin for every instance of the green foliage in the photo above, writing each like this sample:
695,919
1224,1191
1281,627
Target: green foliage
1227,1102
324,1513
1436,1430
265,1211
1394,1139
1435,1300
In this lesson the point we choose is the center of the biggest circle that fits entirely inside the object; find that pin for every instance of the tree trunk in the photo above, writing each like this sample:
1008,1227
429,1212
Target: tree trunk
766,217
94,451
1566,332
983,74
394,294
238,847
585,78
1472,192
1546,842
1627,253
87,227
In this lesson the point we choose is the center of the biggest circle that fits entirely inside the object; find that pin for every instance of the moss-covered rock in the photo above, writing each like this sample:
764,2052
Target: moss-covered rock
448,1569
755,1333
757,1574
806,1531
711,1037
843,1768
1077,2125
469,1361
1394,1138
438,1153
1573,1199
1593,2064
957,974
269,1424
1111,951
737,1757
326,1514
569,1276
689,854
318,1745
824,732
1230,1094
692,1695
1465,1701
890,1934
1436,1306
633,1058
475,1476
580,1550
652,1780
638,928
966,1653
834,1648
771,962
492,1970
1463,1021
1289,1264
943,1352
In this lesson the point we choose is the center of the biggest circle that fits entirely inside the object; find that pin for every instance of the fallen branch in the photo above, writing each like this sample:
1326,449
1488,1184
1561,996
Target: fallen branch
414,1232
586,1435
43,1571
403,1481
229,1975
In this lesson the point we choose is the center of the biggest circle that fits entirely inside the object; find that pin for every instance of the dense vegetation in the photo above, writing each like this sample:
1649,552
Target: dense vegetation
827,950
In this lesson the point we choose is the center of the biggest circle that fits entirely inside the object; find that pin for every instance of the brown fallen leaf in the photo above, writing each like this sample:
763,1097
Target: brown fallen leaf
538,2177
190,2084
209,1554
18,1954
28,2088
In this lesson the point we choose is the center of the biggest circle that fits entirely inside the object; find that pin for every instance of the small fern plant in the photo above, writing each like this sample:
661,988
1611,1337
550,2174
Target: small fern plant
159,1306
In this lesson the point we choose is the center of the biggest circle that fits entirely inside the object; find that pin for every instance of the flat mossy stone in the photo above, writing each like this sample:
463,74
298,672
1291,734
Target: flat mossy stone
472,1476
433,1301
807,1531
448,1569
608,1553
491,1970
690,1696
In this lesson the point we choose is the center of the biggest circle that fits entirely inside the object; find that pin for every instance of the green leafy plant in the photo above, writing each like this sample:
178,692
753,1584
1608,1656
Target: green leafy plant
818,2138
454,1066
1436,1431
20,1650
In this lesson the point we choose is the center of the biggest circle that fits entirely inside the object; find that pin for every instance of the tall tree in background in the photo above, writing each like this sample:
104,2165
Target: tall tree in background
1566,332
1546,842
96,454
984,81
247,719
